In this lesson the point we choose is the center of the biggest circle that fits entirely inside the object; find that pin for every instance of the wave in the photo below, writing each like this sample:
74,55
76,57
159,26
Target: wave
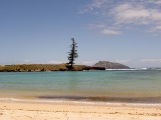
95,102
127,69
88,98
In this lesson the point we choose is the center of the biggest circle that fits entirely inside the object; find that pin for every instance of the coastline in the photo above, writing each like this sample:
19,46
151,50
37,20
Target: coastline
78,102
84,99
71,110
81,96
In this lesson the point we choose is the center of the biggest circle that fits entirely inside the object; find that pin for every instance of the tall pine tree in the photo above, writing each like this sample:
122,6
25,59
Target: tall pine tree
72,54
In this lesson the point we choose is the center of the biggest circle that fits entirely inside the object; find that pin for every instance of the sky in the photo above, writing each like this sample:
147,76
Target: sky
40,31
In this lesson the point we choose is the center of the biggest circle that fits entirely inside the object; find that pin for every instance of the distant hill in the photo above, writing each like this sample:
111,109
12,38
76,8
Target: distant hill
110,65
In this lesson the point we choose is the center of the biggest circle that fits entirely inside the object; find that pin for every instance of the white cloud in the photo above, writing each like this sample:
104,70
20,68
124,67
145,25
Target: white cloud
137,15
105,30
27,60
110,32
95,4
150,60
156,29
154,1
139,63
127,13
123,61
98,26
121,14
56,62
86,62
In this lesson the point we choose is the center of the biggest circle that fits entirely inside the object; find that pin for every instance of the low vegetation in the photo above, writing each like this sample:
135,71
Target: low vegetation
44,67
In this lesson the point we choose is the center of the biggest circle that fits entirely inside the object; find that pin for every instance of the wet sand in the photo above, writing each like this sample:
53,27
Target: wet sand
71,111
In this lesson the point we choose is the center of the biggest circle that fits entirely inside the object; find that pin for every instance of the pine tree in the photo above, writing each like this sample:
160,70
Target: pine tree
72,54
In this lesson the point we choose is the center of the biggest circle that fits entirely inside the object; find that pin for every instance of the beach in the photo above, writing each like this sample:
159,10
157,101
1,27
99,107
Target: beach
93,95
10,110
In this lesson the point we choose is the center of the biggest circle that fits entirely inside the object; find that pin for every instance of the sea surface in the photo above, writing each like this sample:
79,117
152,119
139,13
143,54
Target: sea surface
142,86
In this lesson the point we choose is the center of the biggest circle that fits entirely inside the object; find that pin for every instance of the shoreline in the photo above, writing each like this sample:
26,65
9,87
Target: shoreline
68,110
85,99
76,102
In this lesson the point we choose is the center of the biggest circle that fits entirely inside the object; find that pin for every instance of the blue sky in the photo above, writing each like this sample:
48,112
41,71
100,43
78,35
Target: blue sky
40,31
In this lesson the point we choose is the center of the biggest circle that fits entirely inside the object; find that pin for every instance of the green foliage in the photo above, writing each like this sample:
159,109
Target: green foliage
72,54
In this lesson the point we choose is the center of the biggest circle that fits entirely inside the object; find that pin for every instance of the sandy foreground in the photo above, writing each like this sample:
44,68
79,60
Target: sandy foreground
68,111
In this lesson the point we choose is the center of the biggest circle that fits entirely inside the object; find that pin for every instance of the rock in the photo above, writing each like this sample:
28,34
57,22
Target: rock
110,65
93,68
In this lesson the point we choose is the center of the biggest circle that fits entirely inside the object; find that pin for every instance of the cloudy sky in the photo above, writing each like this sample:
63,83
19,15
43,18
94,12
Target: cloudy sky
40,31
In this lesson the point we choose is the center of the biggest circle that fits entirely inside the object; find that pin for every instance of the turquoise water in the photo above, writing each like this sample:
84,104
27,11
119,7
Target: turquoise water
141,85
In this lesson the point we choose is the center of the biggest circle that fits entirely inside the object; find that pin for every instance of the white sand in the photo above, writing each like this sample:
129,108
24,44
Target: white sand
65,111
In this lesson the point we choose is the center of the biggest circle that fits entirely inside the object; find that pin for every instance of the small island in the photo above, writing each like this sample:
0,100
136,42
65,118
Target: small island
110,65
101,65
45,67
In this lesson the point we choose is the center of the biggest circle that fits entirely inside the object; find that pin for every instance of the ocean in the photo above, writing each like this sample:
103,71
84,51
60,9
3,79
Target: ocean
133,86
